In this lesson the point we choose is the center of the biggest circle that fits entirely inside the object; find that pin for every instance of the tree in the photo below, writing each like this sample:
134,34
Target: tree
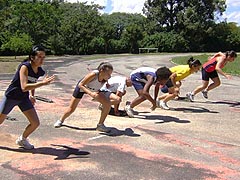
79,26
190,18
18,43
173,14
132,35
36,18
166,42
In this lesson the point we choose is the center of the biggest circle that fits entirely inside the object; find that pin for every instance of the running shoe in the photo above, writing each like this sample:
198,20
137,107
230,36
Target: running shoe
163,105
129,111
158,103
205,94
58,124
102,128
190,96
22,142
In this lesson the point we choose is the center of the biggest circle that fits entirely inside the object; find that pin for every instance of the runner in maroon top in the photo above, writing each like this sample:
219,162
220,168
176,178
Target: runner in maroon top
210,70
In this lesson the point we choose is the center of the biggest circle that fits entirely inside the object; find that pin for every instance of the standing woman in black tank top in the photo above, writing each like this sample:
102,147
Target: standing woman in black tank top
17,94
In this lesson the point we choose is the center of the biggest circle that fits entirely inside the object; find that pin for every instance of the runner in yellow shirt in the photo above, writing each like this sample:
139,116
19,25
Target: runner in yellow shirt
172,87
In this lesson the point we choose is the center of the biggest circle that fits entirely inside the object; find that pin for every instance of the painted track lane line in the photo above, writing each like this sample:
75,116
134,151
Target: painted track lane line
96,137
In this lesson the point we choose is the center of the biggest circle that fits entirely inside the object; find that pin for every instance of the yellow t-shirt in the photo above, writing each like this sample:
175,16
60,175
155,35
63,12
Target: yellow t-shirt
182,71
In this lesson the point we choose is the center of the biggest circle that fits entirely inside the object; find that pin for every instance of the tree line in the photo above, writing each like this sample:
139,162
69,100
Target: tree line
79,28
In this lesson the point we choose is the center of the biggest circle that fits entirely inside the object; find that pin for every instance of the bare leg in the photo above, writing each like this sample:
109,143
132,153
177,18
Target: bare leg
2,117
71,108
163,96
32,117
106,103
216,83
115,100
139,99
201,87
173,92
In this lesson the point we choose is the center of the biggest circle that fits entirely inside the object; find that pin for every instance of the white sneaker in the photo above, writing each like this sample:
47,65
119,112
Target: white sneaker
190,96
205,94
58,124
129,111
102,128
22,142
163,105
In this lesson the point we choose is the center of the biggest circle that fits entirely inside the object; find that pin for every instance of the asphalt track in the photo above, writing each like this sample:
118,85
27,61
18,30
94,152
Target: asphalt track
192,141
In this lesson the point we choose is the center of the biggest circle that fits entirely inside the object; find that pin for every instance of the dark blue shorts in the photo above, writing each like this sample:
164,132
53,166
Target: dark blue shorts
8,104
136,83
77,93
206,75
168,84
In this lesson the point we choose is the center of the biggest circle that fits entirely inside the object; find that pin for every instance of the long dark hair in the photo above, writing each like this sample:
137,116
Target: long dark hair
231,53
34,52
193,62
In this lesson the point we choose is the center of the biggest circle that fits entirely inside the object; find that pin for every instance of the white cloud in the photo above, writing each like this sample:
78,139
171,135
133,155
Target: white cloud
233,3
129,6
232,13
232,17
100,2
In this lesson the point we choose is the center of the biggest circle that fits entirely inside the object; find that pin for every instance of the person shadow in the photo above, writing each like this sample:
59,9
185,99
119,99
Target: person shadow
116,132
65,152
163,119
113,131
195,109
235,104
78,128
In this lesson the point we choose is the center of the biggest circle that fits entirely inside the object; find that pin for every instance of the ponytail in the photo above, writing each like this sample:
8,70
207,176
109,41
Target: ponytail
193,62
231,54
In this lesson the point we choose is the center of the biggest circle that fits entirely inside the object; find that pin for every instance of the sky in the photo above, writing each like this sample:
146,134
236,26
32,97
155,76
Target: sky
232,13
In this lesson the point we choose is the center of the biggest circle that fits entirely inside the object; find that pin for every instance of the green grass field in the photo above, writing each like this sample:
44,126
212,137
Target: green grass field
231,68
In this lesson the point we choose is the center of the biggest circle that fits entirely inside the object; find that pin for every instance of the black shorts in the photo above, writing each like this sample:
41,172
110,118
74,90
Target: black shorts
168,84
7,104
77,93
206,75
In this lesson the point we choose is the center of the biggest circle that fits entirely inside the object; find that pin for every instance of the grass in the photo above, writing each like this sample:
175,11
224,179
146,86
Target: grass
231,68
8,64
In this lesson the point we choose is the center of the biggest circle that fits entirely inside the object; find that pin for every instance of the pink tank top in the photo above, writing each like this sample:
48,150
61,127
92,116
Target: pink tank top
210,65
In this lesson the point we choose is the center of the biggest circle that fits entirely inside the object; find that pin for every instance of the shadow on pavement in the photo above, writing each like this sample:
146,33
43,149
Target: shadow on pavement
60,153
163,119
116,132
230,103
78,128
195,109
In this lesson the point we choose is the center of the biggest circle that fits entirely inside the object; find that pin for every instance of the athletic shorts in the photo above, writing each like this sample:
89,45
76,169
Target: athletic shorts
107,94
168,84
8,104
206,75
77,93
137,84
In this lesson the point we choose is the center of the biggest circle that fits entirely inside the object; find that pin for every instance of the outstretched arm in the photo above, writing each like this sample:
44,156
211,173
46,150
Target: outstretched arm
31,86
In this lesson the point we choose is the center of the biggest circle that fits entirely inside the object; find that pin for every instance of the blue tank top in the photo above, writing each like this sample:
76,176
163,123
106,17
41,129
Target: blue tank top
141,73
14,90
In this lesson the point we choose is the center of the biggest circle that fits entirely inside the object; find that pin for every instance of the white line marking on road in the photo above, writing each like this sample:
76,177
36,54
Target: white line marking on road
96,137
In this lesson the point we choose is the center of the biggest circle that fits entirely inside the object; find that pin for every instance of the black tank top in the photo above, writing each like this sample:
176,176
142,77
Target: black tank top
14,90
